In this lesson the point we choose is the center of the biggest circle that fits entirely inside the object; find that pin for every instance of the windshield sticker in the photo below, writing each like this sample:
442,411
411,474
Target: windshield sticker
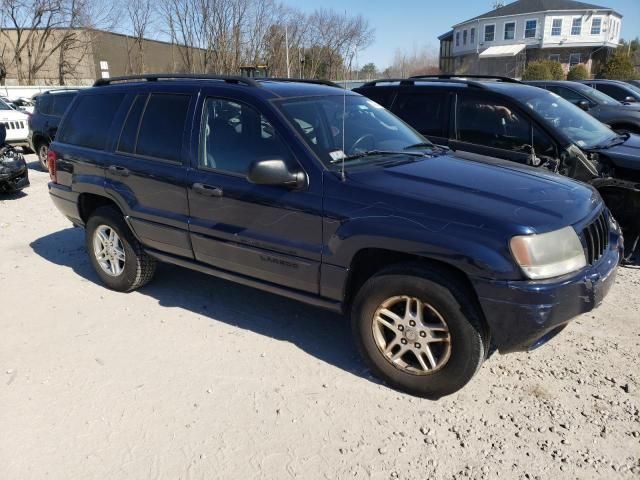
337,155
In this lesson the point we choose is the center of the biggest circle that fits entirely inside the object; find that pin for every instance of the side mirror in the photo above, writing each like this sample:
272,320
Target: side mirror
275,172
584,105
630,99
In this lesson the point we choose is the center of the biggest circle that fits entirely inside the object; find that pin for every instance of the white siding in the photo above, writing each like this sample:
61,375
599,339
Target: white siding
609,34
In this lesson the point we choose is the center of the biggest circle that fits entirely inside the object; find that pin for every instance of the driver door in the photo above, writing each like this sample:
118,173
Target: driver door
270,233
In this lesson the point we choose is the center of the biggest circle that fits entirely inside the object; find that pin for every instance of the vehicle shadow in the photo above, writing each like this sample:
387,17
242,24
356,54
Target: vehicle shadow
320,333
12,195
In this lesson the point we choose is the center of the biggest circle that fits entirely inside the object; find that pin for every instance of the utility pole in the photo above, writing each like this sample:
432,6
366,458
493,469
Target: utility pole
286,40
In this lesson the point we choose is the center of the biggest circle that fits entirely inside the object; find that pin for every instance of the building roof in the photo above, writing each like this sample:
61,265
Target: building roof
532,6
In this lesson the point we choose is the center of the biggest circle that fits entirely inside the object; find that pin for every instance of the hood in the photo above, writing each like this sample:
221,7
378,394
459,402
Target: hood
490,190
9,115
626,155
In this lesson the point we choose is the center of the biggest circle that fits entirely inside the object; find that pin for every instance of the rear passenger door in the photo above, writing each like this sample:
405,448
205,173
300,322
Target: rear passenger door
270,233
146,172
426,111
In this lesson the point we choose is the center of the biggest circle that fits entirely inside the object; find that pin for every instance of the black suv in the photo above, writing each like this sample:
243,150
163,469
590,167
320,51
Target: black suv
313,192
43,123
622,91
503,118
620,117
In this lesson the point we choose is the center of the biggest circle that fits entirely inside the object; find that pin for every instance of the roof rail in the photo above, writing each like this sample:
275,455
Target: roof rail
59,90
462,77
402,81
174,76
328,83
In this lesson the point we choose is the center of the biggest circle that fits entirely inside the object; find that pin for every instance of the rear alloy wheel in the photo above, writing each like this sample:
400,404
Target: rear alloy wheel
117,257
43,152
420,330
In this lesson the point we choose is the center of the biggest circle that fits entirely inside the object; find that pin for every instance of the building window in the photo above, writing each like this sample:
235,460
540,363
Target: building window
576,26
510,31
473,36
596,26
489,33
555,57
574,59
556,27
457,39
464,37
530,28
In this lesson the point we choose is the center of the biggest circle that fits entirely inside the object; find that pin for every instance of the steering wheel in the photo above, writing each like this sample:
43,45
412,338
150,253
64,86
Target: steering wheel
356,145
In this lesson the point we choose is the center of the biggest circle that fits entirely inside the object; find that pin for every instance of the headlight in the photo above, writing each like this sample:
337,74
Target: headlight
549,254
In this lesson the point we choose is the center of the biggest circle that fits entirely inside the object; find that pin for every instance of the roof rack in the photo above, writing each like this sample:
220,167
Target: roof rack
175,76
59,90
328,83
462,77
402,81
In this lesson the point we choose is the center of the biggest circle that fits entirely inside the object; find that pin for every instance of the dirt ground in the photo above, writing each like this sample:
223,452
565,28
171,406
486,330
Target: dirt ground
197,378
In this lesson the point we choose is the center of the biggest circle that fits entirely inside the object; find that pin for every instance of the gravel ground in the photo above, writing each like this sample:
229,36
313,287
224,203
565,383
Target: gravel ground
193,377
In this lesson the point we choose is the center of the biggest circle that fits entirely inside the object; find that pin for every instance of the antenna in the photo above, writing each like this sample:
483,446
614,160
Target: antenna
344,109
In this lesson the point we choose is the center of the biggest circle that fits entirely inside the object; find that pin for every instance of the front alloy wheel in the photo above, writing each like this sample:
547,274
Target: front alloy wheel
412,335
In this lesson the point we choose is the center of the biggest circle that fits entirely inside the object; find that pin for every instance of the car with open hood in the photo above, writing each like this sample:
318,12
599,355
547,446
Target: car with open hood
14,174
306,190
479,116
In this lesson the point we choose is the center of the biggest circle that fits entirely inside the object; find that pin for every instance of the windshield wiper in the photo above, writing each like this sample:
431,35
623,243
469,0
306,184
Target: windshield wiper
372,153
618,140
420,145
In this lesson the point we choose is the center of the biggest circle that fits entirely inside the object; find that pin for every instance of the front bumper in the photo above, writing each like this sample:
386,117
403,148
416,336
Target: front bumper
15,180
523,315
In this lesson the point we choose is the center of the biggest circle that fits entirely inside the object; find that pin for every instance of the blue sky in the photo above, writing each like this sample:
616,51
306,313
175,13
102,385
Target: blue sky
408,23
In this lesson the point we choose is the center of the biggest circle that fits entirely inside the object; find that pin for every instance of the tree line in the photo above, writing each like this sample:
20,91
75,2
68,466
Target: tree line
211,36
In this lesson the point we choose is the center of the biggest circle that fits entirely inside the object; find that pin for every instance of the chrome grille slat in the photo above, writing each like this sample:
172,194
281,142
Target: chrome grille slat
596,238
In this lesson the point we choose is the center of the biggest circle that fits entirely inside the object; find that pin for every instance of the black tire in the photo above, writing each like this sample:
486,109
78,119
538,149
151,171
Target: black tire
468,337
42,148
139,267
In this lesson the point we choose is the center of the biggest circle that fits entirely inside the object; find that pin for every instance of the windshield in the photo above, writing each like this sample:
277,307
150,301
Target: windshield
4,106
577,125
368,126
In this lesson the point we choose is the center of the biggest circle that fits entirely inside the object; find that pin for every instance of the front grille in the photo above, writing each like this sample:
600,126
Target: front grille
14,125
596,238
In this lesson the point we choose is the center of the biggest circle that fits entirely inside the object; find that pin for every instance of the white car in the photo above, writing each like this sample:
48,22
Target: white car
17,124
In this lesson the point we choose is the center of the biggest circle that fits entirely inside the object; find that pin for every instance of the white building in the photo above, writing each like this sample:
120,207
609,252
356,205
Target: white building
502,41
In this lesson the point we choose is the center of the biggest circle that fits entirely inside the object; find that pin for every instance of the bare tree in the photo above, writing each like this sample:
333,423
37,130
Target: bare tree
418,61
140,14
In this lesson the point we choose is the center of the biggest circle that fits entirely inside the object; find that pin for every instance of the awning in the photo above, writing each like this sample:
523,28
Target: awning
503,51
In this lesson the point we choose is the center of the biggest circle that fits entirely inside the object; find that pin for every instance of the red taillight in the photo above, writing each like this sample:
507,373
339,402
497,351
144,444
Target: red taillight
52,159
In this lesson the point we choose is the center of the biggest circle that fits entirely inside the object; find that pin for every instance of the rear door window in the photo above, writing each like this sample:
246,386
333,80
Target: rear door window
60,104
129,134
426,112
89,123
162,126
492,123
44,104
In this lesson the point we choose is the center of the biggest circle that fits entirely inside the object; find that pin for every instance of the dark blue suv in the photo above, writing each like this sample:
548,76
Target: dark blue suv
319,194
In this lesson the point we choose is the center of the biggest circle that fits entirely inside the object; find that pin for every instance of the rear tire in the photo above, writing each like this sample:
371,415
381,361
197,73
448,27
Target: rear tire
117,257
442,326
42,149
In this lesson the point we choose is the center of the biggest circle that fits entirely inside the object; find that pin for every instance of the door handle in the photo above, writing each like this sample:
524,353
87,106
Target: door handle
120,171
207,190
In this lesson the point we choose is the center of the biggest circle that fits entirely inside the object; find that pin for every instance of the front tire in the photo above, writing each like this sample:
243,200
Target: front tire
116,256
418,330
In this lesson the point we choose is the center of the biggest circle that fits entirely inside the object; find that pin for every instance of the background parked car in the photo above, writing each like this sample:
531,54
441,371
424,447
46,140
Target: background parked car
16,124
504,118
620,117
621,91
14,174
635,83
43,123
